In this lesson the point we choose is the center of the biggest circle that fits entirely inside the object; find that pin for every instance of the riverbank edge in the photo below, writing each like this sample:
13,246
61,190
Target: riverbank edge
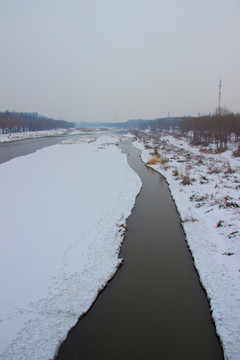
122,230
120,226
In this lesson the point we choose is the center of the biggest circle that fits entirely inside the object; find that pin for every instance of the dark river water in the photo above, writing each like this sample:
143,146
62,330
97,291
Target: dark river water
154,308
14,149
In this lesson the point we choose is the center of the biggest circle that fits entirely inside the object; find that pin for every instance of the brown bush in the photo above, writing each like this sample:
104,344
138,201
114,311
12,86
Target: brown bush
175,172
190,219
206,150
220,223
163,160
237,152
186,180
229,170
153,161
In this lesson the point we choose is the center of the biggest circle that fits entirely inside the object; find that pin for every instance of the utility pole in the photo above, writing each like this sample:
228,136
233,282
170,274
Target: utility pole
219,93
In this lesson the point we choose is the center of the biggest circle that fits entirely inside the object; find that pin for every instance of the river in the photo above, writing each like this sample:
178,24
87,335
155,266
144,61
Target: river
12,149
155,306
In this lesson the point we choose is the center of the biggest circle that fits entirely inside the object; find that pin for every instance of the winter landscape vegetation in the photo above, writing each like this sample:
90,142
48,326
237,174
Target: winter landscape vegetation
69,204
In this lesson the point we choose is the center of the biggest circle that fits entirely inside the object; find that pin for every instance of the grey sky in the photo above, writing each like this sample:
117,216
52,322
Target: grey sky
106,60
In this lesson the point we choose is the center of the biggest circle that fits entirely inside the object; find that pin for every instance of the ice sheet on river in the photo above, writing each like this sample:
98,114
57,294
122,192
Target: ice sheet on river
61,212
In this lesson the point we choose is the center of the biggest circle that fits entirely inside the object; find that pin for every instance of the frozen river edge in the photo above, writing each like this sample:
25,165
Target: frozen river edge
76,197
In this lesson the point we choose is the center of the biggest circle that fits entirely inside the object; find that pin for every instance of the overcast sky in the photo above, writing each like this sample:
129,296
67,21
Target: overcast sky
114,60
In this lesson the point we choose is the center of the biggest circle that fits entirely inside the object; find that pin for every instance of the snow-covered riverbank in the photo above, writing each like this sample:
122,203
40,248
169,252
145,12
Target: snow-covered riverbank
32,134
62,212
209,207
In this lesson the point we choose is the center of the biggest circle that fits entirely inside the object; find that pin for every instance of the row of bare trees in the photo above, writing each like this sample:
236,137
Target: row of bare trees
218,128
11,122
160,124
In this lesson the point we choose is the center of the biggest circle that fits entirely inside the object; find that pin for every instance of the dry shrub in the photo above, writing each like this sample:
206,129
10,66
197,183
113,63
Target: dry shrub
206,150
185,179
219,150
147,147
175,172
196,142
204,180
190,219
155,151
237,152
232,204
214,170
153,161
233,234
220,223
200,200
229,170
228,202
123,227
155,139
203,198
199,159
163,160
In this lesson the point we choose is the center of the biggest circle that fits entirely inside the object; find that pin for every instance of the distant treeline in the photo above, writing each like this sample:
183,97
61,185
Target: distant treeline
218,128
21,122
160,124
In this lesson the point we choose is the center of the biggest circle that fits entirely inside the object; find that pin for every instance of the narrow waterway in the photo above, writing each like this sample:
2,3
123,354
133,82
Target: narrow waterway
154,308
13,149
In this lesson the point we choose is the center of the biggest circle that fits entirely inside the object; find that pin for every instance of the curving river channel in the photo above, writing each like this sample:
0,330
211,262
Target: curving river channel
154,308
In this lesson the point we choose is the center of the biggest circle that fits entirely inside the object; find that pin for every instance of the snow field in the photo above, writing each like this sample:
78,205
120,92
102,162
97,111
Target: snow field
32,134
61,213
210,211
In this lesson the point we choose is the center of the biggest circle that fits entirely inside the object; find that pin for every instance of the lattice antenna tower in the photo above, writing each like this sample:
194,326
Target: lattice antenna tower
219,93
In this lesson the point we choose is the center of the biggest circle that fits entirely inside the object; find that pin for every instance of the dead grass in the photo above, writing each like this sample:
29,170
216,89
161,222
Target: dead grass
206,150
204,180
228,253
124,226
175,172
214,170
163,159
189,219
229,170
200,200
153,161
219,150
236,153
147,147
155,151
185,180
220,223
157,159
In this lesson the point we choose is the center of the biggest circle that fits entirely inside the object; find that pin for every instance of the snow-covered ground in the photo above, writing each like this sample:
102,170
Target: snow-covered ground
62,216
33,134
44,133
210,211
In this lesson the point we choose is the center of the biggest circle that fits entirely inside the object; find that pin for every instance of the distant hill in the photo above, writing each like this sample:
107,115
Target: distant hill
132,124
126,125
